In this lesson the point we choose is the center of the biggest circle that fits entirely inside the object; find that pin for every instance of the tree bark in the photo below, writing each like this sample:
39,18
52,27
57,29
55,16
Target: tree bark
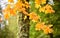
23,26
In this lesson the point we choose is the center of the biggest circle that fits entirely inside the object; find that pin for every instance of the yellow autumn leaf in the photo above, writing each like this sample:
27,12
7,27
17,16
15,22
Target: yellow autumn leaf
37,5
48,9
48,30
25,17
10,1
41,9
33,16
40,26
43,1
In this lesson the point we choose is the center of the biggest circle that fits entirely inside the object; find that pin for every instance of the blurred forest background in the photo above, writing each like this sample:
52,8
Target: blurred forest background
12,30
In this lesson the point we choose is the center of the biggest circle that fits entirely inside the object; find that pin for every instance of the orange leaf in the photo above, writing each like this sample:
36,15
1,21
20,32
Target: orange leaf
6,16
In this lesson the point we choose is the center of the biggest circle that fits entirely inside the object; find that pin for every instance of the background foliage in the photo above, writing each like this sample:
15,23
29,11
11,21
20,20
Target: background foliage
52,18
11,30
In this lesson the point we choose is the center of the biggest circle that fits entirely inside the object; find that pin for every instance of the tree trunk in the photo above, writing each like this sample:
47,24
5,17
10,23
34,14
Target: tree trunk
23,26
